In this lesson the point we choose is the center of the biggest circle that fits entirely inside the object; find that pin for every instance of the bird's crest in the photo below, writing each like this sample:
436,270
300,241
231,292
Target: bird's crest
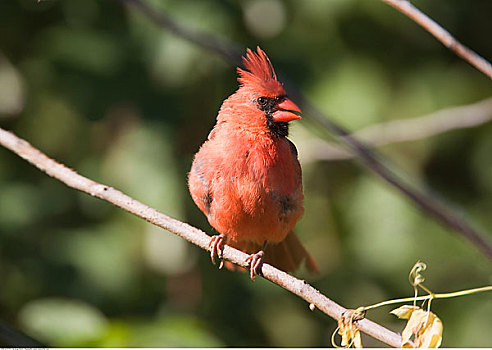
259,71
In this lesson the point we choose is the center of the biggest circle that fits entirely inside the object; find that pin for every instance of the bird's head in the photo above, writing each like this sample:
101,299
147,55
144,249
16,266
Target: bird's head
263,96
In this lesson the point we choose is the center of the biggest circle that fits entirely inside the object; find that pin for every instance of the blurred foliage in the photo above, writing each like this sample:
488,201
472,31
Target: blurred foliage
112,96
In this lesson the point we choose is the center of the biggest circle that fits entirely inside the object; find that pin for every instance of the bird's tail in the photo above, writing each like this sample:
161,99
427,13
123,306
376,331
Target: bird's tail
286,255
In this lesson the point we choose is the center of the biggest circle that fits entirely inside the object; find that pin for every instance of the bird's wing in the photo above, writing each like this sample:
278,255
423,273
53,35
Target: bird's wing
199,185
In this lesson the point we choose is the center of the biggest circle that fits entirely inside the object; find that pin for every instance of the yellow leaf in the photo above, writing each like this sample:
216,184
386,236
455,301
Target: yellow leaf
348,330
424,326
404,311
432,335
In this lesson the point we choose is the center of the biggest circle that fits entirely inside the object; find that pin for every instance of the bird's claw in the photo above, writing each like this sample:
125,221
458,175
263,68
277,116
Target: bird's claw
216,246
255,263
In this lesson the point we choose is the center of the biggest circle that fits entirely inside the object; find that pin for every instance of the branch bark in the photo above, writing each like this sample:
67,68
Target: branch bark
74,180
404,130
441,34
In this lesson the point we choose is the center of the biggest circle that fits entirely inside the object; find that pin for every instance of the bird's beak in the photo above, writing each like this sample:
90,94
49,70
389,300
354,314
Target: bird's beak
287,111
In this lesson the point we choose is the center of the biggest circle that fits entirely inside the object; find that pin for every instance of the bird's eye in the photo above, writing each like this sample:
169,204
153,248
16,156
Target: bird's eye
262,101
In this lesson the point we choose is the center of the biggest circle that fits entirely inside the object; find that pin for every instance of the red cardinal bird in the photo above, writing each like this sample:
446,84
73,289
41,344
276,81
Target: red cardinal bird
246,177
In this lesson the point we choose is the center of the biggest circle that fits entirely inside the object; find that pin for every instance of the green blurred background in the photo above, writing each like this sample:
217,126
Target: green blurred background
104,91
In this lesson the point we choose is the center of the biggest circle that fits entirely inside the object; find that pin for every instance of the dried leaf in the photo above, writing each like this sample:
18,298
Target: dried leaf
424,326
404,311
432,334
348,329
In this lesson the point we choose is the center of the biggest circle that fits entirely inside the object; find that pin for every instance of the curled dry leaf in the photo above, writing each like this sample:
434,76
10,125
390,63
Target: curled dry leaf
424,326
347,328
404,311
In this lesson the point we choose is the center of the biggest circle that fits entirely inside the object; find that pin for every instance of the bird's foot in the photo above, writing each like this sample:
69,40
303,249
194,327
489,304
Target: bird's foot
216,246
255,263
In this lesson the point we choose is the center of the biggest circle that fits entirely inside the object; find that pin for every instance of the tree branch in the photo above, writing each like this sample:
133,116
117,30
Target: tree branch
72,179
397,131
369,157
441,34
228,50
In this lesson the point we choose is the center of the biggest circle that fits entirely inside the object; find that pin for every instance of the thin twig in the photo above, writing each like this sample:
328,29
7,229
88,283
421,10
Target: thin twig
188,232
459,293
441,34
397,131
228,50
369,157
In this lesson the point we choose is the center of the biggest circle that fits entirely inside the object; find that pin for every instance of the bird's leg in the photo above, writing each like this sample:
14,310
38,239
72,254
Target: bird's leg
216,246
255,262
